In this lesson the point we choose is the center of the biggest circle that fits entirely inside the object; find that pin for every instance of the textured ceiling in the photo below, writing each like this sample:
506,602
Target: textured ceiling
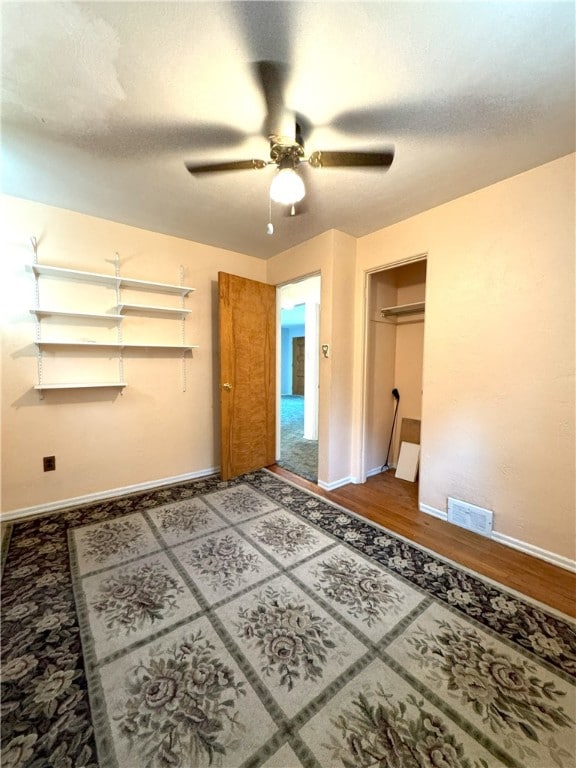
102,103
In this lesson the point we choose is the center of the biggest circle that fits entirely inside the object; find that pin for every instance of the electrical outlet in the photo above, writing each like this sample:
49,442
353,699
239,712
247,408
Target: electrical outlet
49,463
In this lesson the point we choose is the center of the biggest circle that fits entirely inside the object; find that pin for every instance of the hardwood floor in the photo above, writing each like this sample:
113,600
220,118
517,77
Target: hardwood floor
393,504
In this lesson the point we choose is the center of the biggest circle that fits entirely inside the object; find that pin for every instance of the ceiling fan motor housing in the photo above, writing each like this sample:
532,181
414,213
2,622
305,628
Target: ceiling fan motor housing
285,152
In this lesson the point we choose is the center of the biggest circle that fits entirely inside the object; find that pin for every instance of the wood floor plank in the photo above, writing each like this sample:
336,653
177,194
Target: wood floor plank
393,504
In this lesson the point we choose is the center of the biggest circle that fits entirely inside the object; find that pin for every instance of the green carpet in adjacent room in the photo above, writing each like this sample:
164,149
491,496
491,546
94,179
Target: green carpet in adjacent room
297,454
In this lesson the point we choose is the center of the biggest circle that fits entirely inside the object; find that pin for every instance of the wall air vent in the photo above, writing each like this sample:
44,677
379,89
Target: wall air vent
469,516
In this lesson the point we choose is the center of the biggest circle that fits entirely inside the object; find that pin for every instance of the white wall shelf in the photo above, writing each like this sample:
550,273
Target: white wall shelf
146,285
114,345
83,315
114,281
403,309
74,274
144,309
84,385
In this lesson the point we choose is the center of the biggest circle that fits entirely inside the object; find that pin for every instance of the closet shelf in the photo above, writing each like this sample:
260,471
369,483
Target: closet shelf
111,280
125,309
84,385
114,345
65,313
403,309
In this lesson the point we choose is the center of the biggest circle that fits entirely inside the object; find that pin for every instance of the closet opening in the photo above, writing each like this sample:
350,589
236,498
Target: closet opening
396,297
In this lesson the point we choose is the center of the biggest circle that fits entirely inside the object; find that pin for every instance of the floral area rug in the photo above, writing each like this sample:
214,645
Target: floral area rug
250,623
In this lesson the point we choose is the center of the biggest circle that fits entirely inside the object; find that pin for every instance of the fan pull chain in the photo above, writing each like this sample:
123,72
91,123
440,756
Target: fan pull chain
270,226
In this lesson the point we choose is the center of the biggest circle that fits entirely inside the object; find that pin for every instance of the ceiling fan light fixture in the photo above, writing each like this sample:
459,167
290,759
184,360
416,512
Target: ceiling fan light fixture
287,187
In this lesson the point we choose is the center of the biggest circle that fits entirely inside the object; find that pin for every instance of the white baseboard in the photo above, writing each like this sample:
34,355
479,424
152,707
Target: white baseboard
76,501
335,484
370,473
434,512
531,549
508,541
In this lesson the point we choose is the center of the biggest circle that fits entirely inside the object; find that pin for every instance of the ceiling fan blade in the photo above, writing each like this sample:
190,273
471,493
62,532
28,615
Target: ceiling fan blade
133,139
234,165
266,28
272,77
351,159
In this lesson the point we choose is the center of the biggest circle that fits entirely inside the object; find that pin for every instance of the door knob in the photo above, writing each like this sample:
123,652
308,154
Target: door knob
227,386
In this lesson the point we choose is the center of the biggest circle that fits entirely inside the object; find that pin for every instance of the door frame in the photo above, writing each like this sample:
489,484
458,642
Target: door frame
279,286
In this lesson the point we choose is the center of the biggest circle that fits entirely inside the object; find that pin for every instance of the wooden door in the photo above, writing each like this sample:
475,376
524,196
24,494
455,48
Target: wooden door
247,374
298,365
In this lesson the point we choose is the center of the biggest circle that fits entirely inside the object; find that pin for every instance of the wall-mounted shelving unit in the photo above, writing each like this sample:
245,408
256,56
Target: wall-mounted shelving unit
117,316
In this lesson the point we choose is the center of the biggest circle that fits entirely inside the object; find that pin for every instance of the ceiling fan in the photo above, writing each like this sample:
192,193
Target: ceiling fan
284,132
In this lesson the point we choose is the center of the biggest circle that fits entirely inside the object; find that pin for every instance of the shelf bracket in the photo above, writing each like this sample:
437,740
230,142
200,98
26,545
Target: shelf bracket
38,325
119,331
183,330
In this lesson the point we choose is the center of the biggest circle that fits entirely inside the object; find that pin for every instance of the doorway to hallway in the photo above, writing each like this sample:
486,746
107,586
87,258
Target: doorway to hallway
299,376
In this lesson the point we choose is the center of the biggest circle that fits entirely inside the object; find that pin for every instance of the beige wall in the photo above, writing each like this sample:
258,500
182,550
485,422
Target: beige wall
103,440
342,357
498,404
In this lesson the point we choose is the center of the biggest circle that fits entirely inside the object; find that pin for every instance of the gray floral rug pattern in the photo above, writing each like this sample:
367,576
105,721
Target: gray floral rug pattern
250,623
